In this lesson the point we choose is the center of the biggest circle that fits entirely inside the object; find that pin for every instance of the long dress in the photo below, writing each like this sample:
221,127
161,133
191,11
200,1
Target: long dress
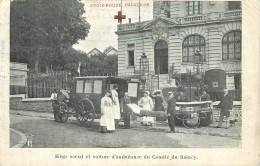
158,106
107,119
147,104
116,106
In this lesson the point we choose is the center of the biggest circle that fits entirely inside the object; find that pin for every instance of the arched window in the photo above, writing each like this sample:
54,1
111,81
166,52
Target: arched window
191,45
231,46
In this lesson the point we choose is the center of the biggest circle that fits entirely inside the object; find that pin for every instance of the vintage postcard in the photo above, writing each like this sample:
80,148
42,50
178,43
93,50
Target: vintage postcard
129,82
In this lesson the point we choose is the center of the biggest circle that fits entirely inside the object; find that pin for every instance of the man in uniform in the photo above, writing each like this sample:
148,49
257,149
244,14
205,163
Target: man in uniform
226,106
170,111
126,112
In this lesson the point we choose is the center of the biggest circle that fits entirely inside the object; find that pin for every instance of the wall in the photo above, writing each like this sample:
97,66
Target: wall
212,33
18,73
123,40
17,103
213,25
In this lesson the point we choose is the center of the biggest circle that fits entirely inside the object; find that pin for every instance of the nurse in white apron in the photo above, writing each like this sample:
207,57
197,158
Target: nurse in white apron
146,103
116,106
107,122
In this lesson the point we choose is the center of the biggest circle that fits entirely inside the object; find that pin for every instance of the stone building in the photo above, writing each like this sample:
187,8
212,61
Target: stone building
179,31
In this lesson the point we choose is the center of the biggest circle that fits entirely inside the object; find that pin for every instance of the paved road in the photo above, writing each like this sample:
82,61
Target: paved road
46,133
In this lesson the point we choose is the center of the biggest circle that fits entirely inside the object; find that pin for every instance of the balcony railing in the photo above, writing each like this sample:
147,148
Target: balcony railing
210,17
230,14
195,18
131,26
215,16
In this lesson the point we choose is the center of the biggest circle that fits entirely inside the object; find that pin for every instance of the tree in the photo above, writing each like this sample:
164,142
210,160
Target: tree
99,65
41,31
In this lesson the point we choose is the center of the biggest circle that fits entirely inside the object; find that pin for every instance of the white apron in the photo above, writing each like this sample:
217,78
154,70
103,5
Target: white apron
107,119
116,106
147,104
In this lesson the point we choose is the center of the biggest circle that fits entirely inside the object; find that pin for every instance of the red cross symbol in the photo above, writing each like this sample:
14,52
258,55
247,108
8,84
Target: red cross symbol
119,17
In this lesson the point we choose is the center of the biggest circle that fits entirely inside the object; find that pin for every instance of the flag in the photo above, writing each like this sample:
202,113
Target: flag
79,67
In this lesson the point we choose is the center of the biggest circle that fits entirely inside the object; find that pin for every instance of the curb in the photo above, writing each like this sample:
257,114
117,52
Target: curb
22,142
30,115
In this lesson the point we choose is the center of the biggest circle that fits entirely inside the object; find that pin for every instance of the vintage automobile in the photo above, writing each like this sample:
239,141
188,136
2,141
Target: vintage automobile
193,114
85,97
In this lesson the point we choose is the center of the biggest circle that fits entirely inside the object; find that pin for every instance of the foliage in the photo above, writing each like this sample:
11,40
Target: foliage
42,32
99,65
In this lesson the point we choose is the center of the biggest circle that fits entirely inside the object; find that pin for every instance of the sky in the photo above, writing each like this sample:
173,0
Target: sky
103,25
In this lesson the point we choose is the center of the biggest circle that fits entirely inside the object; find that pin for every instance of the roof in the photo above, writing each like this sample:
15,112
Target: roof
94,51
108,49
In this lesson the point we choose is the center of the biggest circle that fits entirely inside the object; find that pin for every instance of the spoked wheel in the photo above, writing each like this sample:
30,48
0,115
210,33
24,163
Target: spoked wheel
85,117
191,120
63,113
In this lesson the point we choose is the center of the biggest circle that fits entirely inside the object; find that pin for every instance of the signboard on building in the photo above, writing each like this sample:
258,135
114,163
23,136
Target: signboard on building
132,89
215,84
230,83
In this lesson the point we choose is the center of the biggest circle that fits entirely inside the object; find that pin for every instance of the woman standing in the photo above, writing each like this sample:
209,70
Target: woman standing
107,122
146,103
116,106
158,103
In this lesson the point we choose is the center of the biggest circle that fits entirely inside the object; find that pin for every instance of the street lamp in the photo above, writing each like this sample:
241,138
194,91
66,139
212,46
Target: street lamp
198,63
144,69
144,65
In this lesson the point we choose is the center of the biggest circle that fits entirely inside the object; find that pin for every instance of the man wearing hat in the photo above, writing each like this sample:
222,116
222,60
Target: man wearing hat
225,105
55,105
182,97
125,111
170,111
204,96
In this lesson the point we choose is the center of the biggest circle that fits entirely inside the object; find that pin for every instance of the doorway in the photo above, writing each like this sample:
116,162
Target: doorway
161,57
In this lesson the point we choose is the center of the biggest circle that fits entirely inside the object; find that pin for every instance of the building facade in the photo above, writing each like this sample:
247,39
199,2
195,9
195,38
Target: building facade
18,76
179,31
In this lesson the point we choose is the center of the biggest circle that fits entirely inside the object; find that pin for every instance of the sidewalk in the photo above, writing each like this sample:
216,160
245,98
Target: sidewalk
17,139
47,115
233,132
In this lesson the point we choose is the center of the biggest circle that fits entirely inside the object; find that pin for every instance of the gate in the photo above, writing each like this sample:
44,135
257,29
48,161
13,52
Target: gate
42,85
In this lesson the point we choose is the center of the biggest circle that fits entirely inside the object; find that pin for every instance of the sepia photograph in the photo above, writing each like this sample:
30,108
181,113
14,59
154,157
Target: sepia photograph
118,74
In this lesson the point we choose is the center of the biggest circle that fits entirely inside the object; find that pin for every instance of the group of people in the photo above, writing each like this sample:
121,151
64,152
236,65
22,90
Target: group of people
111,108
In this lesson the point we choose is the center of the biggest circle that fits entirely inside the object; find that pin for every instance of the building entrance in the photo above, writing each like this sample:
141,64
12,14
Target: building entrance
161,57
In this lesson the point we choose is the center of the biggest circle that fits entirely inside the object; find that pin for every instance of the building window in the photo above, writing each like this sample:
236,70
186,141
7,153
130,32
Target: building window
131,54
234,5
168,14
194,7
191,45
231,46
